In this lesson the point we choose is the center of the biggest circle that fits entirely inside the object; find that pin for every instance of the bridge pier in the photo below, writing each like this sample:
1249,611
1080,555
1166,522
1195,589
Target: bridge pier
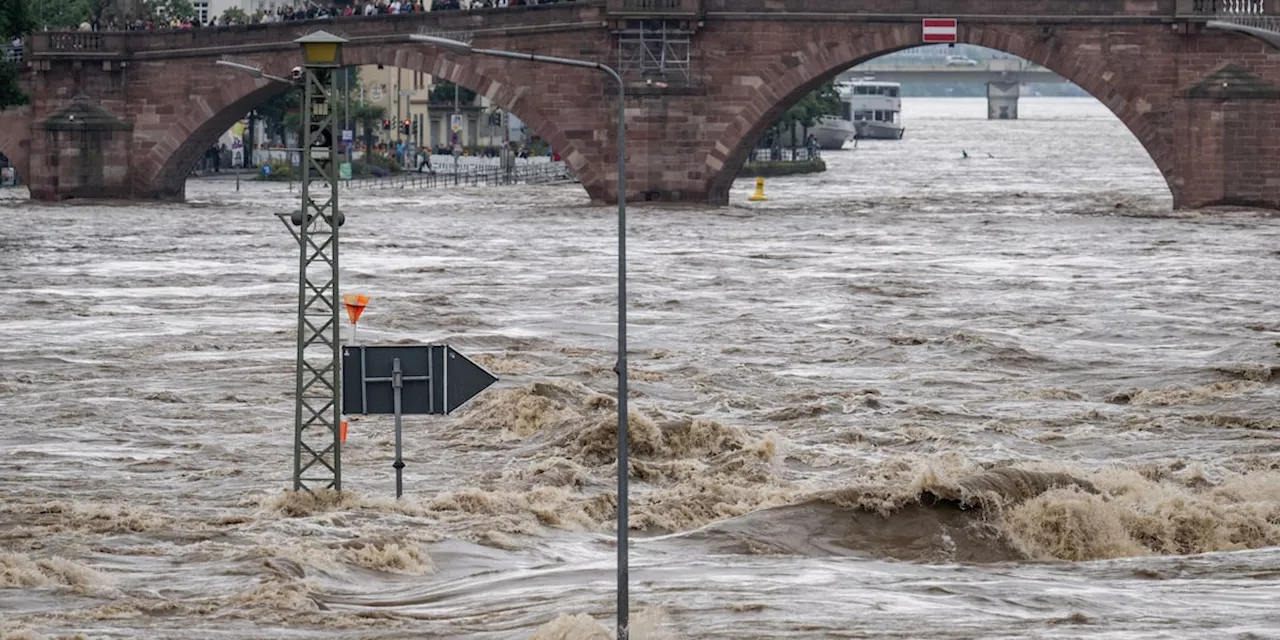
1002,100
81,151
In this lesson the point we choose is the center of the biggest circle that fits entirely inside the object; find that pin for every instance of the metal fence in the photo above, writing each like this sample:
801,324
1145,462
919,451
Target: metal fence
469,176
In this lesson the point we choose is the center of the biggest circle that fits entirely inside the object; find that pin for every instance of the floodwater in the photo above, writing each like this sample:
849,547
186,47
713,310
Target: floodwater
915,396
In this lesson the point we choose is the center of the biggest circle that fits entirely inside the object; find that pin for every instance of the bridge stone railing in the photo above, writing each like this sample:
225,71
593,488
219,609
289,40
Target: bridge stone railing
272,36
77,41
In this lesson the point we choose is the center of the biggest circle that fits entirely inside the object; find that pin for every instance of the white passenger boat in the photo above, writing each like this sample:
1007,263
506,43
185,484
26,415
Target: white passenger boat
874,107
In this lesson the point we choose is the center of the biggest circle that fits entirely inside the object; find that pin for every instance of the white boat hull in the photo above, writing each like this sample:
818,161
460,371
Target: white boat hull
870,130
832,133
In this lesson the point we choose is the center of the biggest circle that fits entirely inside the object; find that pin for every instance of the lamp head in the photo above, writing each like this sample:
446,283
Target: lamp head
321,49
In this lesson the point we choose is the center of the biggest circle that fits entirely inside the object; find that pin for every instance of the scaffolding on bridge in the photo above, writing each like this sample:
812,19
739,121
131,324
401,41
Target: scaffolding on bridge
660,48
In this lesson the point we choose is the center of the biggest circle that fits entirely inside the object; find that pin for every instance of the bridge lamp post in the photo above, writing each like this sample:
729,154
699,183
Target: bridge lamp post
462,48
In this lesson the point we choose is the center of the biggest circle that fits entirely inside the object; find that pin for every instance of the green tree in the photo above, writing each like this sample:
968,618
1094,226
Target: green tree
160,11
274,112
15,22
64,14
236,15
369,117
823,101
443,94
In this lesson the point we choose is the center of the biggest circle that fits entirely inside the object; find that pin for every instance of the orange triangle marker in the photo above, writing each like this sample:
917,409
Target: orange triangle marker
355,305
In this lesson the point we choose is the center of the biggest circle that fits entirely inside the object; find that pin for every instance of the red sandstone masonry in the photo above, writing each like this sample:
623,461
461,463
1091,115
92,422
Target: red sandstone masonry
752,59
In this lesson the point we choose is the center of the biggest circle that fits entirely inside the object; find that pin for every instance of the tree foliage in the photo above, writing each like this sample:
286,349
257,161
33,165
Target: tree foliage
65,14
236,15
167,10
805,113
56,15
15,21
283,112
444,92
274,112
824,101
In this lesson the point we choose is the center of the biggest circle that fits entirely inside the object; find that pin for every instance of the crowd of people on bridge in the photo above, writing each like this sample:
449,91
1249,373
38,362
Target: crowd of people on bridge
315,11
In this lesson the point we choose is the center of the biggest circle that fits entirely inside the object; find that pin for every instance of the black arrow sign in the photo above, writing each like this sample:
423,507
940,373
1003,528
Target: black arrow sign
435,379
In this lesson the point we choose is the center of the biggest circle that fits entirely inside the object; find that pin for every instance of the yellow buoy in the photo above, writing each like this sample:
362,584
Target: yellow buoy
758,196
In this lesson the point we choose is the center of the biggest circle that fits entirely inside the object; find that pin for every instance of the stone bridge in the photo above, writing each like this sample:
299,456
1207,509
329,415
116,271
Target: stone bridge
127,115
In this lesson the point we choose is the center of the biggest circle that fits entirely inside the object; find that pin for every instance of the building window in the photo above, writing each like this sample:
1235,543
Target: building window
202,12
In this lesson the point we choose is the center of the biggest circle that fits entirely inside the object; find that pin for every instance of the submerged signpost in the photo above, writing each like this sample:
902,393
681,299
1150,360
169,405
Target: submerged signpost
416,379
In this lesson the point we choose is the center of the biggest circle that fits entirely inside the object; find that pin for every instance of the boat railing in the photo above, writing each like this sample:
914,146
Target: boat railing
779,154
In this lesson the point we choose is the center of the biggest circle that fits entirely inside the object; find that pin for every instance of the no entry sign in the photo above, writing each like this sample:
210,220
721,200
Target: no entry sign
939,30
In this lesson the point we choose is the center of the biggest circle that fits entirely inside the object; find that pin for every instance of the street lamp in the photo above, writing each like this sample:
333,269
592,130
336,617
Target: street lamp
251,70
462,48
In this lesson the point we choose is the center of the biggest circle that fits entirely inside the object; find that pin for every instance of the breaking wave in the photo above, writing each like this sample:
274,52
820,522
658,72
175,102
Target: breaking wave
1010,514
19,570
644,625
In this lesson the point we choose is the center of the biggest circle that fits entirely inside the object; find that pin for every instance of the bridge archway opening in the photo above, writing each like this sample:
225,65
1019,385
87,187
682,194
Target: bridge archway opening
850,62
200,129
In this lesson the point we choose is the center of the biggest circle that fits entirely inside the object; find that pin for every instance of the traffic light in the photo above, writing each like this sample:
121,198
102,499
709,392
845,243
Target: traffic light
415,127
405,127
386,125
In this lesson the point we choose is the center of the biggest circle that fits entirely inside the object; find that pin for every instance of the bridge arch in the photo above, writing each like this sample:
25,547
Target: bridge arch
172,148
836,49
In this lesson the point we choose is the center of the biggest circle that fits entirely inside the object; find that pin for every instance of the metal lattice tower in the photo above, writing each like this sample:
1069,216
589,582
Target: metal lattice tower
317,448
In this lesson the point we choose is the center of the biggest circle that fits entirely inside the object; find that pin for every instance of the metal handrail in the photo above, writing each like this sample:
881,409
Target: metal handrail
1225,8
1256,21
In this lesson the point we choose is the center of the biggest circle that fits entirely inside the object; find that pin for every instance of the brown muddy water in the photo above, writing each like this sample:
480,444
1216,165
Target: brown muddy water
913,397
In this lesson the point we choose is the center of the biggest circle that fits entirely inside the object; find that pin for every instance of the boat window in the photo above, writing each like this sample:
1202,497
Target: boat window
846,111
893,92
862,91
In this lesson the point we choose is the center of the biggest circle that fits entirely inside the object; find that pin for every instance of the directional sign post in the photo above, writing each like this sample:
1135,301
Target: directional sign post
939,30
418,379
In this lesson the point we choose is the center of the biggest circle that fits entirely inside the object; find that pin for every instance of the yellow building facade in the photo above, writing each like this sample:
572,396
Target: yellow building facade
405,96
